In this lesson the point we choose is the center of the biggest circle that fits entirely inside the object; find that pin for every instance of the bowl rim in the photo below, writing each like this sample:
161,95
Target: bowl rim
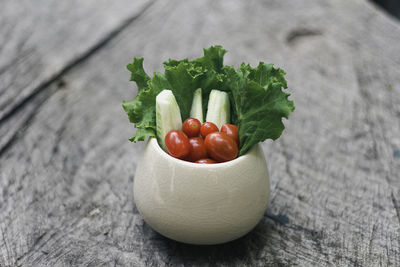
154,144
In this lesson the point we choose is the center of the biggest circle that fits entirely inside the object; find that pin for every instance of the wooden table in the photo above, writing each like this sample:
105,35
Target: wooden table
67,167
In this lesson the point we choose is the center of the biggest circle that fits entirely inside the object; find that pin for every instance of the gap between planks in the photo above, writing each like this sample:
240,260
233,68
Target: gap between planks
45,86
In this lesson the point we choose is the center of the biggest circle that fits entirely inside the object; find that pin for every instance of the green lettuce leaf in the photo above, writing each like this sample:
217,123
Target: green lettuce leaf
258,100
142,109
182,77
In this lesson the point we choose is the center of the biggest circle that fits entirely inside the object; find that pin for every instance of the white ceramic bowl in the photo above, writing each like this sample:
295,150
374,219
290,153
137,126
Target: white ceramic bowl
201,203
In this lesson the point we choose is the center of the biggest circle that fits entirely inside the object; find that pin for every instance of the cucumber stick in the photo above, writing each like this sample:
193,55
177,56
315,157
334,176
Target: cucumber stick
218,110
197,106
168,115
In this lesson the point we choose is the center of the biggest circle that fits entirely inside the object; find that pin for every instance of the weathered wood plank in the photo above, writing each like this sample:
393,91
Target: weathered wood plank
66,195
39,41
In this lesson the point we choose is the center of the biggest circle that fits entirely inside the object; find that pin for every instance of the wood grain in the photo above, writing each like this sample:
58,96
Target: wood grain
41,41
66,180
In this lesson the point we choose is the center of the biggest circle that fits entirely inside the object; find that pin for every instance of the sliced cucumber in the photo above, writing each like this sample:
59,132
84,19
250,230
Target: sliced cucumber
168,115
197,108
218,110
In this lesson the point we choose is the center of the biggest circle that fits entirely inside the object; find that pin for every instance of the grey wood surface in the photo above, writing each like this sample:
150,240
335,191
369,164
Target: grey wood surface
41,40
66,166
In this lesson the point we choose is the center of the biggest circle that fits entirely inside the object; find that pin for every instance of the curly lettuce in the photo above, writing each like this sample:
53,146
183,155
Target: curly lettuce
258,99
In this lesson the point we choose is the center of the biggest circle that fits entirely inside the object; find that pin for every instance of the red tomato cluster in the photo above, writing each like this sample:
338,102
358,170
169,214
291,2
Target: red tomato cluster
203,143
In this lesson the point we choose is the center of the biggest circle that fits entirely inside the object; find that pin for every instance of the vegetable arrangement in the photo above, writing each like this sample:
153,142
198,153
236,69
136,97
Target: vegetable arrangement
241,107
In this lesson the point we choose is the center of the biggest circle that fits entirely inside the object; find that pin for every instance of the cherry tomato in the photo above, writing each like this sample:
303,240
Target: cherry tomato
207,128
191,127
177,144
232,131
221,147
197,149
205,161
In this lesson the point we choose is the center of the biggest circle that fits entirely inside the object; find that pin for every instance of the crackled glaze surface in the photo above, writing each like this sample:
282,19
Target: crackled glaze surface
199,203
